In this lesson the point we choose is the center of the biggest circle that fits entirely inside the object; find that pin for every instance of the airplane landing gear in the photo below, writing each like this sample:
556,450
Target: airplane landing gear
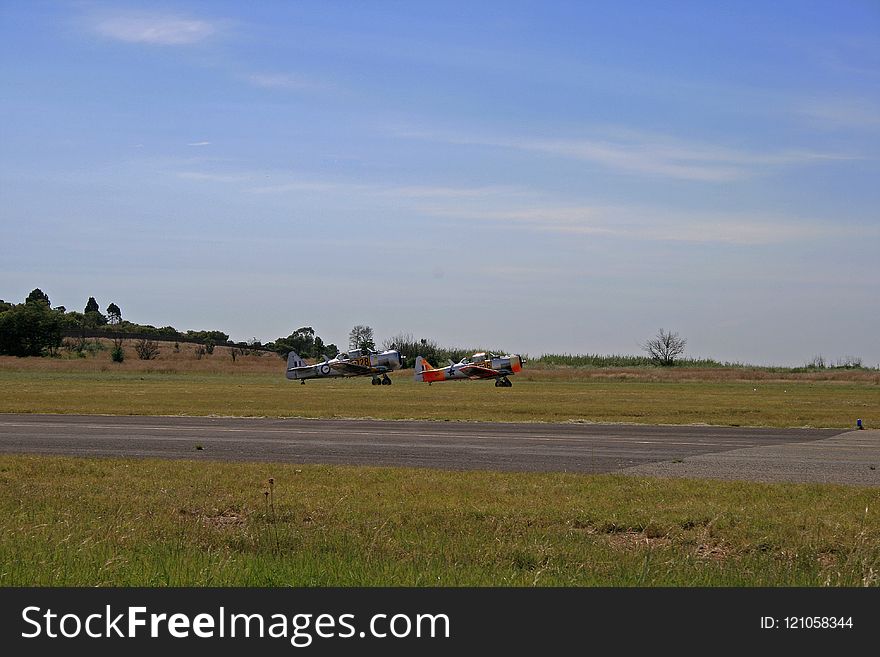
385,380
376,381
303,382
503,382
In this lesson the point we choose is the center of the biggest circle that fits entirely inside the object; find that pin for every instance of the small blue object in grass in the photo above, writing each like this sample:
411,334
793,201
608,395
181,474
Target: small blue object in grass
859,423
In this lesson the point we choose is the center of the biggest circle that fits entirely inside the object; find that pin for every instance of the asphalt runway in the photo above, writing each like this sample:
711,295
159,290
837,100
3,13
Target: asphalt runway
824,455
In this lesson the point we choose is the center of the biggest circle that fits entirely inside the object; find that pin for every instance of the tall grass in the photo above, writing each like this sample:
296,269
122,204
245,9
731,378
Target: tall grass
618,360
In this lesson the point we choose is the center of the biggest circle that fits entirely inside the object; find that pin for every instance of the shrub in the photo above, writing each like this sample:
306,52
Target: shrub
147,349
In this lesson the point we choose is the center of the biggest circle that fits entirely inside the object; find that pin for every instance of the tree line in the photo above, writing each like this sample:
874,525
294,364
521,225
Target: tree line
35,328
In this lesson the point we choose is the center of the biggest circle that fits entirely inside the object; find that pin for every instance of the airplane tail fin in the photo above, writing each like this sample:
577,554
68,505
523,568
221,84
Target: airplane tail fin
421,366
294,361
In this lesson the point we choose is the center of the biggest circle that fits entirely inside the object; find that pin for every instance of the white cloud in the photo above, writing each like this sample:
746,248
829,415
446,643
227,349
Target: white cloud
154,29
200,143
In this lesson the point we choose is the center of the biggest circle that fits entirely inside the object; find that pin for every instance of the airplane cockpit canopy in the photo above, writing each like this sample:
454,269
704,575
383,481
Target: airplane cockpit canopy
476,358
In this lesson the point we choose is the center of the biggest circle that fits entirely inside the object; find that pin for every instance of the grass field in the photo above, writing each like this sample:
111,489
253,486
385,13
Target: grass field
70,522
548,396
66,521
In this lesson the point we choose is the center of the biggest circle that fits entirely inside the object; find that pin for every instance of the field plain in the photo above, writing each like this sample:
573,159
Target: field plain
87,522
180,384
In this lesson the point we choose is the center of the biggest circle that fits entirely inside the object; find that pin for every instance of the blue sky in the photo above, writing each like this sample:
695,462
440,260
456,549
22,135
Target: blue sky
533,176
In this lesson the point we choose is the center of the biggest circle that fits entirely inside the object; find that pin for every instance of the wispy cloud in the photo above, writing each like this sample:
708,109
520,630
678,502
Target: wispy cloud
402,192
300,186
843,113
214,177
158,29
649,224
446,192
285,81
645,154
671,158
527,273
199,143
532,211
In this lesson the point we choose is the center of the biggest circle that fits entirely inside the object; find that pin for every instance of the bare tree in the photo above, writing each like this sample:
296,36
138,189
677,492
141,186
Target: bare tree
361,337
665,347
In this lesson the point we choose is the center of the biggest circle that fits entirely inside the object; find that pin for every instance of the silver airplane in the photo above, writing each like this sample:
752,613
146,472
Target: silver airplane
478,366
357,362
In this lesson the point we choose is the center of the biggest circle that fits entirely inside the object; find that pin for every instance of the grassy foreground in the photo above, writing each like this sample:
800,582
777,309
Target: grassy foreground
88,522
539,396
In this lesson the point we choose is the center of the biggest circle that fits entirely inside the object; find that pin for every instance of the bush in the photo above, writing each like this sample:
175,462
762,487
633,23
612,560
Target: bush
117,355
147,349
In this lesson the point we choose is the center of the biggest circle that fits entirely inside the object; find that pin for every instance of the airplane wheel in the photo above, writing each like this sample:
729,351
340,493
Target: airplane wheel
386,381
498,383
375,382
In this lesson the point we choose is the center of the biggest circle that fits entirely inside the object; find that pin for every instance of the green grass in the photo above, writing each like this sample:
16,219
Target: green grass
98,522
87,522
539,396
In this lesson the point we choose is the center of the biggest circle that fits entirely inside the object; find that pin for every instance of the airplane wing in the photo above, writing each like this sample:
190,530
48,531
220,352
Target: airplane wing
477,372
352,369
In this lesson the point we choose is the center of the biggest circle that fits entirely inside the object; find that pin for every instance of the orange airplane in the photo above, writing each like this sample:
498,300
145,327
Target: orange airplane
478,366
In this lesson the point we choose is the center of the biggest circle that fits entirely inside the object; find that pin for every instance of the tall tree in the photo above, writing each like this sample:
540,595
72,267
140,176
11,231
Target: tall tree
37,295
114,317
92,317
114,314
361,337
